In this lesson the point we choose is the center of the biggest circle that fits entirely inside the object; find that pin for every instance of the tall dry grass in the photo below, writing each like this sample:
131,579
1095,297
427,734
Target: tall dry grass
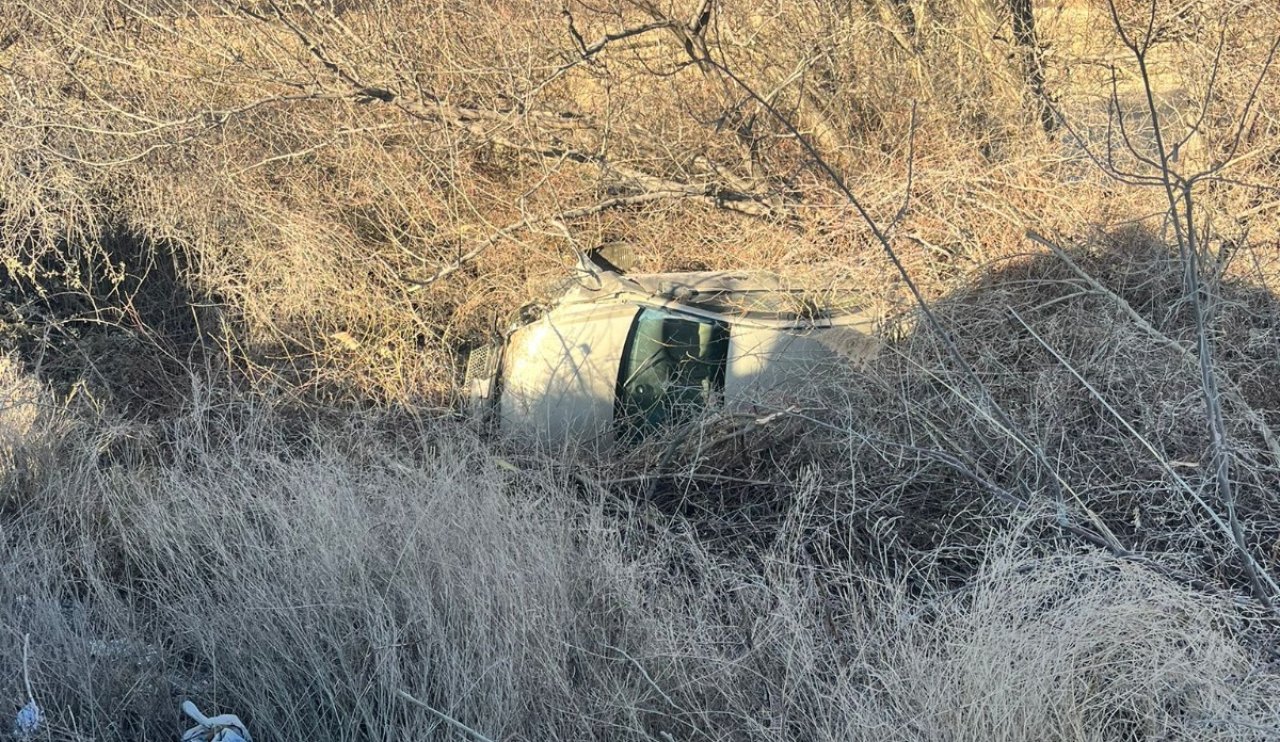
303,584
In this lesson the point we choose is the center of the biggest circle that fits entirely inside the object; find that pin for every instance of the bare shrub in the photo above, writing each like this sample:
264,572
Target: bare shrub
364,186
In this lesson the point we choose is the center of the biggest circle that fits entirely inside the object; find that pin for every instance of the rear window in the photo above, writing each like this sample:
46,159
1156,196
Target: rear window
673,367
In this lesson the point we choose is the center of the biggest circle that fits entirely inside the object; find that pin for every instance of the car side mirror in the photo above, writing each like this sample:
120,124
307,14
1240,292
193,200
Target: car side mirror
617,257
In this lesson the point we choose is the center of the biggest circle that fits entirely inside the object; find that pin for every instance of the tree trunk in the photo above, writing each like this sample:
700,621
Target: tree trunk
1024,35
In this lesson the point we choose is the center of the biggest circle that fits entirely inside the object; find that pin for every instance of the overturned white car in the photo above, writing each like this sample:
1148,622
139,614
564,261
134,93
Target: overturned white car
618,355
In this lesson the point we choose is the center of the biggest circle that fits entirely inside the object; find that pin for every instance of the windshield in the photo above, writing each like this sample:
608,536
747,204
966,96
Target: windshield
673,366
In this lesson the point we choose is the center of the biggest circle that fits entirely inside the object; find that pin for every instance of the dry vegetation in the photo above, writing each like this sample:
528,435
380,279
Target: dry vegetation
242,240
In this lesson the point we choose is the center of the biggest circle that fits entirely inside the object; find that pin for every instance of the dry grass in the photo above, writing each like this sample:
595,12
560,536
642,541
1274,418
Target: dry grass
304,585
224,474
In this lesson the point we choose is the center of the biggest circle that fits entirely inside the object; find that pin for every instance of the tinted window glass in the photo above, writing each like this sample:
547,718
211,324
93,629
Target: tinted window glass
672,367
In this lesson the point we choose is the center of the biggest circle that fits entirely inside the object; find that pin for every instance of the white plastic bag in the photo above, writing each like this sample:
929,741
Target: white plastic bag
28,721
220,728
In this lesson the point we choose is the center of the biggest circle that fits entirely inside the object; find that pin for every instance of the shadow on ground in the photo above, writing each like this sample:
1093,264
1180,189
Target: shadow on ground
126,343
904,461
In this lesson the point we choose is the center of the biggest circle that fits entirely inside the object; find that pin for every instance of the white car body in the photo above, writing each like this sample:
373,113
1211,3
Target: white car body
576,375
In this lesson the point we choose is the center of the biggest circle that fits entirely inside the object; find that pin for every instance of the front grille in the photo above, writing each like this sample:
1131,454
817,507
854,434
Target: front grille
479,362
480,383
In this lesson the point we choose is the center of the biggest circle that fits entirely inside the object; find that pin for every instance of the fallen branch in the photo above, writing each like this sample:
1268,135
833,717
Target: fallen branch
475,122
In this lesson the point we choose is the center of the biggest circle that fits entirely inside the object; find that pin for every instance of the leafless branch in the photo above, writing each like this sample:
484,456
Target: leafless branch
1230,526
551,130
509,230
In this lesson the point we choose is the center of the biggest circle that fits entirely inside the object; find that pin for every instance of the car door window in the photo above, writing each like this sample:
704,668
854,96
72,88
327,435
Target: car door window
673,366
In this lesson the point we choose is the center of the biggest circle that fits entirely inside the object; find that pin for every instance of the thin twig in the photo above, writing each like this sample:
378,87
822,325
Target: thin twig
649,679
444,717
26,668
